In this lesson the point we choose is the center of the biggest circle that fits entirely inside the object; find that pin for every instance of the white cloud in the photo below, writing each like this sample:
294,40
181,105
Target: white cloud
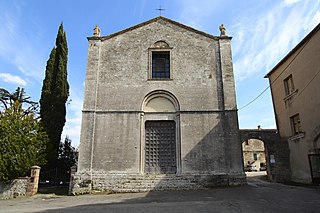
316,18
260,41
261,35
73,131
20,48
290,2
24,49
74,115
139,8
195,12
12,79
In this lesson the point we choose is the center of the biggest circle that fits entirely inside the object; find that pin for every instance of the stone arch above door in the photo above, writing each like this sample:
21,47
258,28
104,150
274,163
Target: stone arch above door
160,101
160,134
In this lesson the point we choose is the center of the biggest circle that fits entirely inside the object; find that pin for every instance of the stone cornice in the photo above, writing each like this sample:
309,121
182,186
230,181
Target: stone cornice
157,19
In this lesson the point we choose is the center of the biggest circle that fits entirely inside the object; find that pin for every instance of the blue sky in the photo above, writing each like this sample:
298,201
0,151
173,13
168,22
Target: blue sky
263,32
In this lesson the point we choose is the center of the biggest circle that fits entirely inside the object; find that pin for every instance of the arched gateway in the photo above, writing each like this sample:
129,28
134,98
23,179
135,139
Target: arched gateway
276,150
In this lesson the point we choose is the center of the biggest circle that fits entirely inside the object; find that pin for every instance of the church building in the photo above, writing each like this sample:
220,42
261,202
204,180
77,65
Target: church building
159,111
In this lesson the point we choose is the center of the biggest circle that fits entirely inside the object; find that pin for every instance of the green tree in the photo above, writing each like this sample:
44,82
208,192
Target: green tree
22,142
67,154
55,92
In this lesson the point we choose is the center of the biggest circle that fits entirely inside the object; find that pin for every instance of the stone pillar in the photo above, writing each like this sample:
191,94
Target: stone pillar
229,92
32,188
73,171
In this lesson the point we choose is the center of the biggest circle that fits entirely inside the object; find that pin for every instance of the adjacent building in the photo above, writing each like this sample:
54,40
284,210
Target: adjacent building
254,155
159,111
295,92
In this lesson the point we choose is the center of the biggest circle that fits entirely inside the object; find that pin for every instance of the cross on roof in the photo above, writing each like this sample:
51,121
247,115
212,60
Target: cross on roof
160,9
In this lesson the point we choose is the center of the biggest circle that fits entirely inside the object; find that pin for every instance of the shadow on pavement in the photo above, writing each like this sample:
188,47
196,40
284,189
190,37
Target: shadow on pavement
57,190
264,197
162,201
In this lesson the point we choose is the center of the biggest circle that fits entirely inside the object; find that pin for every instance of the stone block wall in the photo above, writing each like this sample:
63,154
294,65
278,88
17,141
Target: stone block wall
14,188
278,168
118,183
22,186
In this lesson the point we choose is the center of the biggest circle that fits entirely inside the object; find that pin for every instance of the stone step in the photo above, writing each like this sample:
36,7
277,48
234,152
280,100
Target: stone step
155,182
138,183
143,185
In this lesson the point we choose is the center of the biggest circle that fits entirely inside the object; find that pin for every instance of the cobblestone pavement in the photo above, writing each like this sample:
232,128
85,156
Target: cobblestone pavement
257,196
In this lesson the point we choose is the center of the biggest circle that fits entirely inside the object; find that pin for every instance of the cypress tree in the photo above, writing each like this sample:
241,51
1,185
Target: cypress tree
54,94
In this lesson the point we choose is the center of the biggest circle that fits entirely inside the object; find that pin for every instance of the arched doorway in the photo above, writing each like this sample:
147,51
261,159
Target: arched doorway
160,134
254,157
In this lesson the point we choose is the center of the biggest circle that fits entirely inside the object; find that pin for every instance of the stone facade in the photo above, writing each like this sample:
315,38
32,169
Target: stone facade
254,153
122,97
294,83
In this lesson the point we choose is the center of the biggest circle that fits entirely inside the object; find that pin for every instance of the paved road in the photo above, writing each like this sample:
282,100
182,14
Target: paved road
257,196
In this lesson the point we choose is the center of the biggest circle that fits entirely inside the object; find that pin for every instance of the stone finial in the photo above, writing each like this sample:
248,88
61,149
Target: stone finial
222,30
96,31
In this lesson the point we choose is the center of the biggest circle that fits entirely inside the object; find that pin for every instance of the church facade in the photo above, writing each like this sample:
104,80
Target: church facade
159,111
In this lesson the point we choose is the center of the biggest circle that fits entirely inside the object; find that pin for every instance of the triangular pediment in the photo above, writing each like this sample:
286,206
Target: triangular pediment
157,19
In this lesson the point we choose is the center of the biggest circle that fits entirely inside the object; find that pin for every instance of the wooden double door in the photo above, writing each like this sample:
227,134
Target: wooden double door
160,147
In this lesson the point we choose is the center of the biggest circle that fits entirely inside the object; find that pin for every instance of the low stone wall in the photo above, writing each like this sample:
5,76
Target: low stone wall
23,186
14,188
116,183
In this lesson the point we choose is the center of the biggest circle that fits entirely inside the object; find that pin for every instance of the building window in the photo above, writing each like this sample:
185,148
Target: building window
295,124
288,85
255,156
160,61
160,65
